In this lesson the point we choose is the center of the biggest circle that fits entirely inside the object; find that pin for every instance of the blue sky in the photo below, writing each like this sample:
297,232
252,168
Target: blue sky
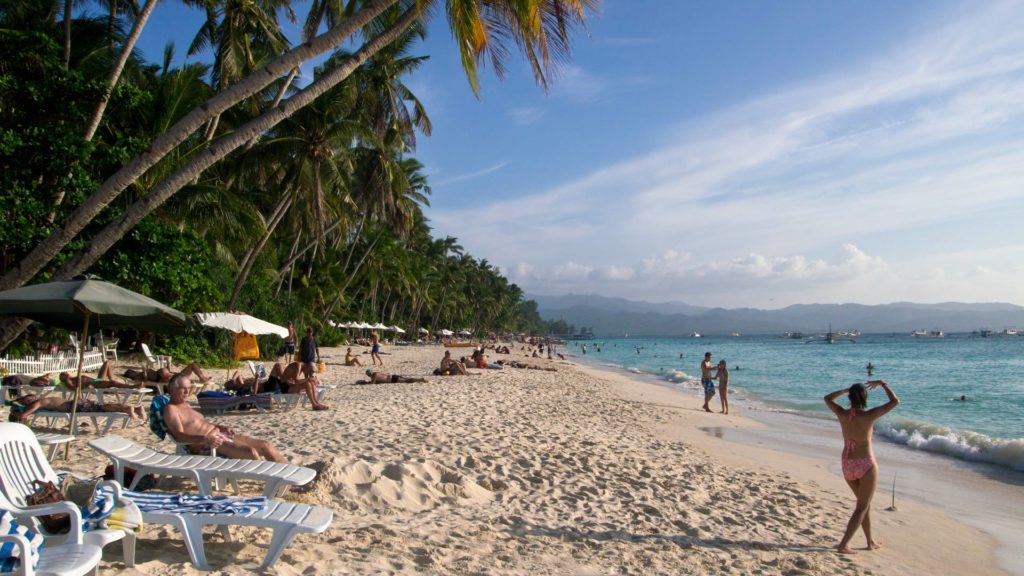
739,153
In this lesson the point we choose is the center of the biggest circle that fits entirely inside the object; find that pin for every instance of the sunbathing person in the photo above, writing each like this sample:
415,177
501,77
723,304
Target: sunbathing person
285,380
240,385
381,378
524,365
351,360
104,379
187,425
165,375
26,405
451,367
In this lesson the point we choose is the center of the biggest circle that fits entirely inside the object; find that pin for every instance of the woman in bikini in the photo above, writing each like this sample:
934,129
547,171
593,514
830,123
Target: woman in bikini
858,459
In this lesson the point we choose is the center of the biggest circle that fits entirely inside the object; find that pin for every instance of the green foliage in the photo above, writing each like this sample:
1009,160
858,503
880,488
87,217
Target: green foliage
198,348
331,337
173,267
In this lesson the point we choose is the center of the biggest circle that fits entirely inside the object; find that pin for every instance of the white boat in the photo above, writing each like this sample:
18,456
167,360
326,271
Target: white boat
936,334
735,334
919,333
1011,332
694,334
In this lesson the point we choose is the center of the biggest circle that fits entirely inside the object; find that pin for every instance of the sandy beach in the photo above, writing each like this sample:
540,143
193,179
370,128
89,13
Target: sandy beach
577,471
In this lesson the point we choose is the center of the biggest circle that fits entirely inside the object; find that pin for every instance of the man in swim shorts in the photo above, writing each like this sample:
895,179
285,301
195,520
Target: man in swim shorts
380,378
23,407
707,380
187,425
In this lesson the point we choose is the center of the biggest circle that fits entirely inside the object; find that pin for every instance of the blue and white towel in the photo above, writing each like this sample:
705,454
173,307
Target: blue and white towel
10,554
105,511
187,503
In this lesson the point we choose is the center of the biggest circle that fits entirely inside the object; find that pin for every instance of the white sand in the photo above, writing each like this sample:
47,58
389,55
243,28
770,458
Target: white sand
533,472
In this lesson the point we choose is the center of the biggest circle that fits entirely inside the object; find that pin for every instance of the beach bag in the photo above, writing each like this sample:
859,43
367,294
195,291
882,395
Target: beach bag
48,493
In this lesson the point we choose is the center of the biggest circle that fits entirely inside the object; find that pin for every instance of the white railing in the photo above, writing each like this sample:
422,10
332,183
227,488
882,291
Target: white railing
51,363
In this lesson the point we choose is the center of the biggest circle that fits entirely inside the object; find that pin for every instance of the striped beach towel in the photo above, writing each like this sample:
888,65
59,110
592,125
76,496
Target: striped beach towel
156,416
10,555
187,503
105,511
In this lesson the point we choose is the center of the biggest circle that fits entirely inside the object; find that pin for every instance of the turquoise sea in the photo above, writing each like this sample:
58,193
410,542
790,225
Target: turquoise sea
928,374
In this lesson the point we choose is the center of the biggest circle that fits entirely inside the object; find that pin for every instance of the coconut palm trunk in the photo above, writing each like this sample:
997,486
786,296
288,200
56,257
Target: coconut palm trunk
47,250
250,258
115,71
159,194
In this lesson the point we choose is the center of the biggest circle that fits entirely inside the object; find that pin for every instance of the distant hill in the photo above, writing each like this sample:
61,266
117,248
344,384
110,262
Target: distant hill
614,316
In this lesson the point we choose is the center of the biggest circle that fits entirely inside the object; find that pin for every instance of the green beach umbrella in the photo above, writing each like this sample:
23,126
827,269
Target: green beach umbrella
72,304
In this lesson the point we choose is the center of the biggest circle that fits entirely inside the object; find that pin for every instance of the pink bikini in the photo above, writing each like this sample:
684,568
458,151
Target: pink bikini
855,468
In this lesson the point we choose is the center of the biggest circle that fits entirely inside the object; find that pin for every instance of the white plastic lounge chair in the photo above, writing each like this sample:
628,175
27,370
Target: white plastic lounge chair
109,419
155,362
202,469
21,462
63,560
286,519
219,405
54,441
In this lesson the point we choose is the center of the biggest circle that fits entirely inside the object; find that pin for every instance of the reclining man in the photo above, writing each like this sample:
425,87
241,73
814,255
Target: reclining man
187,425
105,379
380,378
165,375
26,405
285,379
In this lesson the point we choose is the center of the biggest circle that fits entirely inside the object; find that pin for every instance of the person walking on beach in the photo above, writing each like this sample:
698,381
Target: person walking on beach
309,353
289,342
375,349
723,384
707,380
858,459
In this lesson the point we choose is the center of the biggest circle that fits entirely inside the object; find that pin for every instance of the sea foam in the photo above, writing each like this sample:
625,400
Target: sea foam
678,376
959,444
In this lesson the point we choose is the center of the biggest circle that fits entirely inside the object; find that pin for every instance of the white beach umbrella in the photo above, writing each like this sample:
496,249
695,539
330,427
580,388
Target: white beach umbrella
378,326
465,332
446,332
238,322
424,331
364,325
332,324
397,329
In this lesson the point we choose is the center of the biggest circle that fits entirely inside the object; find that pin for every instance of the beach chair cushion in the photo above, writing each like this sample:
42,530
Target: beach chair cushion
10,554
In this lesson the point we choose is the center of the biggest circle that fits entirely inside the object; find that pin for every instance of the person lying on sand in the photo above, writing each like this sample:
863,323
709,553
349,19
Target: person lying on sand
187,425
518,364
382,378
285,380
30,403
165,374
104,379
351,359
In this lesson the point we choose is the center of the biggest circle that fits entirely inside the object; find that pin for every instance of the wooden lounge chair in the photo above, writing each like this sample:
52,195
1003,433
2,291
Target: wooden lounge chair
204,470
21,462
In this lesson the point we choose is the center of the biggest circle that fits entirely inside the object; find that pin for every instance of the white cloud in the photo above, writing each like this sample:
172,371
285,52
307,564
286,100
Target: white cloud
471,175
918,143
577,84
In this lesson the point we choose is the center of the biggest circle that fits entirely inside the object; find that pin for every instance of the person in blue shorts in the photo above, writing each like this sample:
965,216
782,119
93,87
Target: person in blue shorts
707,380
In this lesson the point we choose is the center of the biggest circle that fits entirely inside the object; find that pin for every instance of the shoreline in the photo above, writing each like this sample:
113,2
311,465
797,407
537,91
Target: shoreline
975,494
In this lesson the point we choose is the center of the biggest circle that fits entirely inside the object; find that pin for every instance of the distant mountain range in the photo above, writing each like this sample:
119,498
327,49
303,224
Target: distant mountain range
615,316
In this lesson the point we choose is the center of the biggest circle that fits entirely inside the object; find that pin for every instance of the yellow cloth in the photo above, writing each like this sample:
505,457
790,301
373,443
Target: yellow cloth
246,347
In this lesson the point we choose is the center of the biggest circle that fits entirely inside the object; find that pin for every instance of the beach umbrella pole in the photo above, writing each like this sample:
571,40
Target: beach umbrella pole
78,387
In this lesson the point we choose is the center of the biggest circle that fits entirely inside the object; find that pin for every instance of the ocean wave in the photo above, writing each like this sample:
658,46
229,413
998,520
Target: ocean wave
634,370
966,445
678,376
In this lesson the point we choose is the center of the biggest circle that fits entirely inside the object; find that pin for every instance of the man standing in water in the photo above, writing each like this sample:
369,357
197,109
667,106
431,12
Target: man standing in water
706,380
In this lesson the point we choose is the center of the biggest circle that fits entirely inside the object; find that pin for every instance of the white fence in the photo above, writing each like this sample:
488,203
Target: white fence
50,363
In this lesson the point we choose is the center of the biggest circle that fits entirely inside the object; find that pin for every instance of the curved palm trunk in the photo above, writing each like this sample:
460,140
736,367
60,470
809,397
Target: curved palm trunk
65,58
295,255
243,273
46,250
114,231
